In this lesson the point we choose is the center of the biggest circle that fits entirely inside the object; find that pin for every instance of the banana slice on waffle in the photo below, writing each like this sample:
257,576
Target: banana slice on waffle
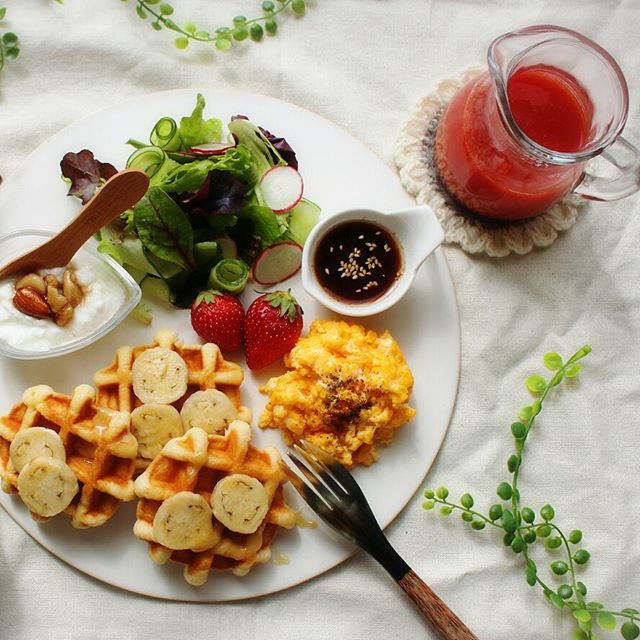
63,453
167,372
189,470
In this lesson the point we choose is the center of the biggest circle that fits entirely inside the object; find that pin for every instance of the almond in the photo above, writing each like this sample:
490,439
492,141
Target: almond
31,303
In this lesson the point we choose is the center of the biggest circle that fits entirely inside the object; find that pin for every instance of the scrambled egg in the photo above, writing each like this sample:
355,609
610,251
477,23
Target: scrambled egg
347,390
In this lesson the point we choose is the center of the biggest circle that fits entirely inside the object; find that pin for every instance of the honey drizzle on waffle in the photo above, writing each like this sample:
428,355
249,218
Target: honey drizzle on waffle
195,462
100,449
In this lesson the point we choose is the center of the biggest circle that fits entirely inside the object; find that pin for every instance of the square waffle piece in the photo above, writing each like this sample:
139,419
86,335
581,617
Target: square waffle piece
99,448
195,465
202,366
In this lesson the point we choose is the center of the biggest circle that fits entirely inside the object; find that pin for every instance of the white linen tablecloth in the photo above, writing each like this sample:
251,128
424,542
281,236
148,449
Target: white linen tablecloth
363,64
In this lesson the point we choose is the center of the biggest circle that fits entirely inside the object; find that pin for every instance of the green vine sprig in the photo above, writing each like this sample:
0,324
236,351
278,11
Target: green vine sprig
223,37
522,528
9,48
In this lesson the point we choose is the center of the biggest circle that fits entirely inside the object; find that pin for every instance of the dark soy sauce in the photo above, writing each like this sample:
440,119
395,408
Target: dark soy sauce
357,261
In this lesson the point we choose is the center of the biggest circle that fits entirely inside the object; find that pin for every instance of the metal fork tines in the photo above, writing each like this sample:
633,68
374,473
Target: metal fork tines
335,496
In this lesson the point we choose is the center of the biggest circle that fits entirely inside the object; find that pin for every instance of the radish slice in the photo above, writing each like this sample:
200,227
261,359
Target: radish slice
212,148
277,263
282,188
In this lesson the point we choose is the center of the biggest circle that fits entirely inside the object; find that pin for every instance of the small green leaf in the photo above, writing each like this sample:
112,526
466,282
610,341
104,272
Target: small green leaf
559,567
446,510
428,505
508,521
547,512
166,9
3,12
573,371
504,491
557,601
531,575
11,53
513,463
442,493
518,430
181,43
9,38
579,634
466,516
190,27
557,379
565,591
544,530
525,413
478,525
575,536
507,539
553,543
223,44
518,545
298,7
606,621
157,25
495,512
630,630
582,615
528,515
240,33
595,606
530,536
581,588
581,556
466,501
428,493
141,12
630,611
536,383
536,407
552,361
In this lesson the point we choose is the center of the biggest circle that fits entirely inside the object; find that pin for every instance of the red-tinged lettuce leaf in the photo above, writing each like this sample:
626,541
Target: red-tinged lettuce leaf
220,194
164,229
282,147
85,173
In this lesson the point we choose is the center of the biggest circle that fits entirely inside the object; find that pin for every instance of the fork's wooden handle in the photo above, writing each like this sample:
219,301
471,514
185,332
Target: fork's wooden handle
444,622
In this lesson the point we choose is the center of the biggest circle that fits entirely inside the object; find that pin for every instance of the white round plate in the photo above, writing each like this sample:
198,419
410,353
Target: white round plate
339,173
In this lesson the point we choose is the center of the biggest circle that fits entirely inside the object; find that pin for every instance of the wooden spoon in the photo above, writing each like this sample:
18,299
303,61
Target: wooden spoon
119,193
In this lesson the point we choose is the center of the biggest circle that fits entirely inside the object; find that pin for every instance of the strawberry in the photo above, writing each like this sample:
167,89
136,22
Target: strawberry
218,317
272,326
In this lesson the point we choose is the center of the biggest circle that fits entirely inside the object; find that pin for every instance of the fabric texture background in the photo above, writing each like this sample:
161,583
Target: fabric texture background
364,64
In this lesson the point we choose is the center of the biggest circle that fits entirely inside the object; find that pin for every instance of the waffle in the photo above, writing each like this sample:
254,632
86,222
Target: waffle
207,370
99,446
196,462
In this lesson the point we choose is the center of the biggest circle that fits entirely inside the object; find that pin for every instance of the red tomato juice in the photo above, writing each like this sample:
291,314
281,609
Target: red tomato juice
485,168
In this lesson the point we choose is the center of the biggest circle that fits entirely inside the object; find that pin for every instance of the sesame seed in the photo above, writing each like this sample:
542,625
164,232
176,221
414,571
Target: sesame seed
360,237
326,270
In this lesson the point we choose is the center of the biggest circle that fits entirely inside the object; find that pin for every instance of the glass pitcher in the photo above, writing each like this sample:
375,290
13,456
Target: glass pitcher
515,140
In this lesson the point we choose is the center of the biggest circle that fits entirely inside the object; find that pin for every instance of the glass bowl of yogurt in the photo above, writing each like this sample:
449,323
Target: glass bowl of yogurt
109,295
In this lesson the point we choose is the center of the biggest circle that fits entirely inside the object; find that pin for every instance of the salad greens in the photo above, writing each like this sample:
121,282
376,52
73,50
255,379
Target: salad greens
204,219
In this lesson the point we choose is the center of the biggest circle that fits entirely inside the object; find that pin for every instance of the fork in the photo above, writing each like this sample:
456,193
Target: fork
332,492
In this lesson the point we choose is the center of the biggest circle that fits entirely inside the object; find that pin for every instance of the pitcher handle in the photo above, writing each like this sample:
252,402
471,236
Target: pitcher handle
626,160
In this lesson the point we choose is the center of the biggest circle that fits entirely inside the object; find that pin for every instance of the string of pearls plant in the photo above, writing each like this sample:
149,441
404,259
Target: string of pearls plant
522,528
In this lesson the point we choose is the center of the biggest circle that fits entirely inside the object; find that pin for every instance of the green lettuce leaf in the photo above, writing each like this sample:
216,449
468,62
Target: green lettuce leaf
190,176
194,129
164,229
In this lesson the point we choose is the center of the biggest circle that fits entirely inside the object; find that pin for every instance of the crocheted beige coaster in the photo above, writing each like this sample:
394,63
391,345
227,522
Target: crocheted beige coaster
474,234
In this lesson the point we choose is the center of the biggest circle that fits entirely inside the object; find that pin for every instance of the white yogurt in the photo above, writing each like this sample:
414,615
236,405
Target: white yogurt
103,297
